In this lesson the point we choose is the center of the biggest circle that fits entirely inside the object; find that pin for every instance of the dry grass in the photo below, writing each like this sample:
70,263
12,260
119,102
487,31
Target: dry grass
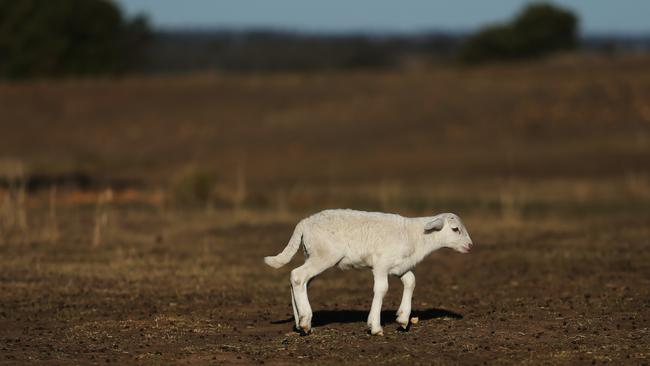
13,209
101,228
547,163
528,121
52,225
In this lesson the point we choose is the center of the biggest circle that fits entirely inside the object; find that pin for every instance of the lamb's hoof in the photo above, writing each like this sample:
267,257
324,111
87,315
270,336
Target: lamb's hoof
305,331
402,320
403,324
377,332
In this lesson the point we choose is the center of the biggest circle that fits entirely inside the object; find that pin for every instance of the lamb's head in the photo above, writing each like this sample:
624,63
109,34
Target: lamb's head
449,232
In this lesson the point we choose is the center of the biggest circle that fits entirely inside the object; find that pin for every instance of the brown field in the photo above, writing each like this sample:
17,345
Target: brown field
135,213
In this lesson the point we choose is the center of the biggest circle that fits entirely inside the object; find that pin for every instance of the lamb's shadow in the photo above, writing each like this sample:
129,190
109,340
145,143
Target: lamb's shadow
325,317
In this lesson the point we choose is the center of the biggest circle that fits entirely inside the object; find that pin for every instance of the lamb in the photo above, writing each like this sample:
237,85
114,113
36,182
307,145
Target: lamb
386,243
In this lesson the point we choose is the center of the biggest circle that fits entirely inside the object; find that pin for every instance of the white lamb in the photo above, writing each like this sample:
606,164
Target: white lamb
386,243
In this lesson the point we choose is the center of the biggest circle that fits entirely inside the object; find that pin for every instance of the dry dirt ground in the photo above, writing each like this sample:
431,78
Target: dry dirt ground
182,288
547,163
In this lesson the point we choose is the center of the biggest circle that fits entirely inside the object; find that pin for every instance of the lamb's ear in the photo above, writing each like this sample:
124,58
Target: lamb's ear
436,225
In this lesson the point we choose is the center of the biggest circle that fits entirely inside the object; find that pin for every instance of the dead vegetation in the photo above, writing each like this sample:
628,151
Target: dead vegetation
13,210
547,163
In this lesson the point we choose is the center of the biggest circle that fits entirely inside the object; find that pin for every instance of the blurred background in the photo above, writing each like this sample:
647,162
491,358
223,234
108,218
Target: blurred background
303,106
136,134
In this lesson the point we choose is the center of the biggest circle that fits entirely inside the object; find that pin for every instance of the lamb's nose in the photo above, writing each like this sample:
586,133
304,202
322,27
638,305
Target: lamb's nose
469,246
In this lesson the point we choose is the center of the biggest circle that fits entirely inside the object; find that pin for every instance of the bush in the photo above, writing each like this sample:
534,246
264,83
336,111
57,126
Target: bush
537,31
194,186
67,37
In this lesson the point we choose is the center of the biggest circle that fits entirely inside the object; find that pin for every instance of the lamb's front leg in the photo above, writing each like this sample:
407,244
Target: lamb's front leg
380,289
404,311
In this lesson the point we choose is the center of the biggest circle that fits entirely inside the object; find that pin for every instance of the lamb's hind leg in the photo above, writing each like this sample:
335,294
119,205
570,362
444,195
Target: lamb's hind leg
299,279
404,311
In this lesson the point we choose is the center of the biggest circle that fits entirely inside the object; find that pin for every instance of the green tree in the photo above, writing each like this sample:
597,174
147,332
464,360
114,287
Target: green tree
67,37
538,30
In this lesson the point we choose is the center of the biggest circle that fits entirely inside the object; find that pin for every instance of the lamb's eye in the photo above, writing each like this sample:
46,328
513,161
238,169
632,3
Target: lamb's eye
456,229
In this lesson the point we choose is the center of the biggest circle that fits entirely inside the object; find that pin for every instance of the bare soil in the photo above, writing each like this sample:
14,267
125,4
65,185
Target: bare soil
183,289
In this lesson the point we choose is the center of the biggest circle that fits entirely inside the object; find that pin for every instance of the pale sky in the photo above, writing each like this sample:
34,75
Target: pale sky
597,16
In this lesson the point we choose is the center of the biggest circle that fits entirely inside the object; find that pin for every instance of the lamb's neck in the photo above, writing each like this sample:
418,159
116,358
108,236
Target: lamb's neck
428,246
424,243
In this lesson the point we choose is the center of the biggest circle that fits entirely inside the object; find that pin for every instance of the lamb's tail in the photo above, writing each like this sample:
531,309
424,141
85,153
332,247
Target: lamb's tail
288,252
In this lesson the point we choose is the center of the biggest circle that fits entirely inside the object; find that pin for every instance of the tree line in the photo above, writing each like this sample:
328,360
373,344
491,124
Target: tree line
45,38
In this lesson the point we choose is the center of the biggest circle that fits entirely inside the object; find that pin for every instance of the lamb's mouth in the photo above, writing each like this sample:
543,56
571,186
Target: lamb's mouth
466,248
